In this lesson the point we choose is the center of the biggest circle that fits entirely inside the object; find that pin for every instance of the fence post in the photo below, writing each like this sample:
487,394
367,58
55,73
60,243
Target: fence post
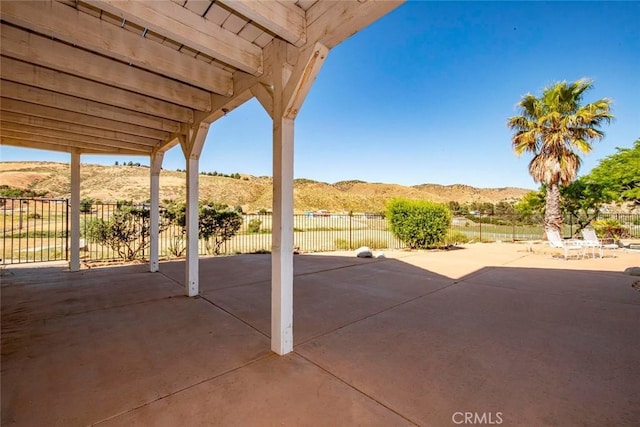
66,230
480,228
350,230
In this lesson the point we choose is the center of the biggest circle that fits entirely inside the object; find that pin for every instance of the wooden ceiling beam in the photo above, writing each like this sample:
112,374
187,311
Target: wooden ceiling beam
41,111
184,26
75,128
39,50
36,142
30,133
282,18
66,23
33,75
86,107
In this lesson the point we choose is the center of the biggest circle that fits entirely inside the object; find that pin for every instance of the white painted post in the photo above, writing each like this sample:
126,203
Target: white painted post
282,250
191,267
156,166
192,144
289,89
74,261
282,226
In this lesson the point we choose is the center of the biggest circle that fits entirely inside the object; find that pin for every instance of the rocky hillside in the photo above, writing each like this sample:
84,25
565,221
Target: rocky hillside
111,183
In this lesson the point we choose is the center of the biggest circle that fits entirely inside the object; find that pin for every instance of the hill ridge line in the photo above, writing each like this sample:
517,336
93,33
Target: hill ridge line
112,183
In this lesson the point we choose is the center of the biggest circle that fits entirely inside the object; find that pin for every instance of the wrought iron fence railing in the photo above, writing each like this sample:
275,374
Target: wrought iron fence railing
35,230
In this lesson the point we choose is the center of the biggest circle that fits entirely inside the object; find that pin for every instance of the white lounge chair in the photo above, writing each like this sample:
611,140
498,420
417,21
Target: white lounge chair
568,246
592,241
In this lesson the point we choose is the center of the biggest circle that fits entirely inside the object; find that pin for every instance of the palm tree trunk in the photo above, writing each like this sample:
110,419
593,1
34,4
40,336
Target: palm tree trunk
552,215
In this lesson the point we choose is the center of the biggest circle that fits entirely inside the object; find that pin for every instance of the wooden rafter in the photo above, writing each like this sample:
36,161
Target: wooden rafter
28,109
54,144
33,75
25,46
27,133
280,17
75,128
90,109
184,26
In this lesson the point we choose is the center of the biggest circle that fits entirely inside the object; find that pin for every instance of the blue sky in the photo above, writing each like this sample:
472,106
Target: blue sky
423,95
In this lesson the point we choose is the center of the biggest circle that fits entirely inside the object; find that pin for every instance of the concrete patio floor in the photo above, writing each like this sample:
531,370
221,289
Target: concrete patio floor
417,338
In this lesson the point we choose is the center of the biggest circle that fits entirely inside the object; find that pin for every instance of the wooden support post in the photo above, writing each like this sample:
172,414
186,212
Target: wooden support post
74,261
282,251
192,144
290,87
192,272
156,167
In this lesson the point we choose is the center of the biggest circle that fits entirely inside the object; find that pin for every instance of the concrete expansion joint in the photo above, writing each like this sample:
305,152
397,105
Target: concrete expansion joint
197,383
356,389
375,314
171,279
235,317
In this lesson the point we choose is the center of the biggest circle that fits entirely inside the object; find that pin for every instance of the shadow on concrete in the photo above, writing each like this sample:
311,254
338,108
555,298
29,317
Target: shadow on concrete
538,346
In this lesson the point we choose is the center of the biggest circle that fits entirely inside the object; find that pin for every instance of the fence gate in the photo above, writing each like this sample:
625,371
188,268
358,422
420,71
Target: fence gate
34,230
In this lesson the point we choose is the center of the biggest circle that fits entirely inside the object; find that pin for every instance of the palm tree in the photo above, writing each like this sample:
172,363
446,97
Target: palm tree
554,127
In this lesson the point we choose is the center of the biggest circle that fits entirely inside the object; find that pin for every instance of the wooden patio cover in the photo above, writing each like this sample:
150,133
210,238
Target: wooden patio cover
138,77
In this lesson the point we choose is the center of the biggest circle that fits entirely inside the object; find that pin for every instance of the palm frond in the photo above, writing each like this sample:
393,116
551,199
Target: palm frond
525,141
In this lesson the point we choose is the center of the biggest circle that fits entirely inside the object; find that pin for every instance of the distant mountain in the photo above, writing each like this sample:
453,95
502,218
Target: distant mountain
111,183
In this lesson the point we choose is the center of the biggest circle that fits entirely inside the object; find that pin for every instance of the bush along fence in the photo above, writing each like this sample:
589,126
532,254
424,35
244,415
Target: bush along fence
35,230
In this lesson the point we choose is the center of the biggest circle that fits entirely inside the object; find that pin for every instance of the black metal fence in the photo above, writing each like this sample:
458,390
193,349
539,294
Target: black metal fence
35,230
312,233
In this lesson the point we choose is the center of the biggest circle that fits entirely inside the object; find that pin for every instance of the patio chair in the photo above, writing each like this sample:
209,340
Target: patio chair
568,246
592,241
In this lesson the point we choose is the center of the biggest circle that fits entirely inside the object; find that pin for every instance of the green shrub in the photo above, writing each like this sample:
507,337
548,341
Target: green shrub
10,192
254,226
86,204
174,213
177,244
609,229
126,231
217,226
418,223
